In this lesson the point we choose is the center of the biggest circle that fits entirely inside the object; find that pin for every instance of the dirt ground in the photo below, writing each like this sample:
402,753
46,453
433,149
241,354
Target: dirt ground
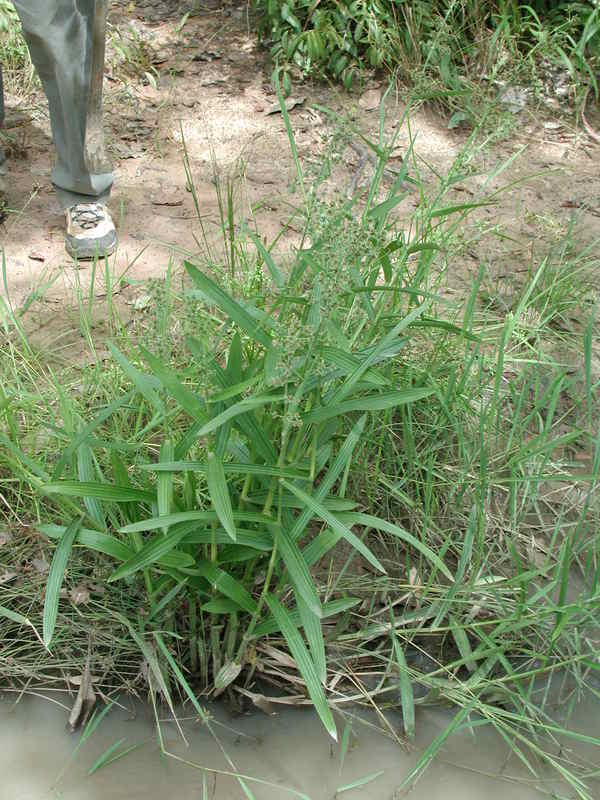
212,86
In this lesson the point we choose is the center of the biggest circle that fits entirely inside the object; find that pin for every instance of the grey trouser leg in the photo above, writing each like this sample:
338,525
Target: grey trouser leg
2,156
59,37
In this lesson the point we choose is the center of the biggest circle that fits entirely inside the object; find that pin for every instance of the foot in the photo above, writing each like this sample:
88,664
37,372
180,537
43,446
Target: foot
90,231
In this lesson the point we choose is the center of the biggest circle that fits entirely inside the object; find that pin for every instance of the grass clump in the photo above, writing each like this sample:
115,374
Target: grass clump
321,455
453,52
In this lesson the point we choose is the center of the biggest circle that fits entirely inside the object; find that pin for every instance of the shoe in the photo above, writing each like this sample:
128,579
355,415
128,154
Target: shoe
90,231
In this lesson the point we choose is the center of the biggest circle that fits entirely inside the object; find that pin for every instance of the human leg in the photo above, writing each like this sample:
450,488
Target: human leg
60,37
3,169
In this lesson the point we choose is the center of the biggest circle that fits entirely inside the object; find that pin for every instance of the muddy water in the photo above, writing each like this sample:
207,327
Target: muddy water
290,751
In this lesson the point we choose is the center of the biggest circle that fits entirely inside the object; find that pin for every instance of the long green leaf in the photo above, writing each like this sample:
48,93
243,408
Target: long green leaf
435,746
105,758
14,616
147,385
331,609
164,482
55,579
100,542
335,470
387,341
153,551
384,208
287,500
369,521
190,402
370,402
219,494
258,540
320,546
236,410
230,468
193,516
299,572
216,296
447,210
304,662
268,259
223,582
406,691
103,491
347,362
85,472
319,509
360,782
87,431
314,636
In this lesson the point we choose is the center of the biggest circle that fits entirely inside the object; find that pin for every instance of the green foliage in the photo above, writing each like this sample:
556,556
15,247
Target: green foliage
326,452
452,43
8,16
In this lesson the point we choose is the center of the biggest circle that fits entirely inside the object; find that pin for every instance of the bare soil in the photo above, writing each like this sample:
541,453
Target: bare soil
211,88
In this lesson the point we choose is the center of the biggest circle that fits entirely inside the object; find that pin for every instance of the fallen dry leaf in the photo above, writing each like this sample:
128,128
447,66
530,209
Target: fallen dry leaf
259,700
370,100
86,696
290,103
40,565
80,594
4,539
167,197
226,676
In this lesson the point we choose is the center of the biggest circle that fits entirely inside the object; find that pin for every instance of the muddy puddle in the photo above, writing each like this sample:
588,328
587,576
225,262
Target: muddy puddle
290,752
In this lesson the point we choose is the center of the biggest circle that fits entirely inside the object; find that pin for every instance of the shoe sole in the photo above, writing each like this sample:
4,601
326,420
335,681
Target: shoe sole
99,249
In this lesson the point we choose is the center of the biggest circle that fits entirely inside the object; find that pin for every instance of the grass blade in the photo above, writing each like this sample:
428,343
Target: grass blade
314,635
331,609
193,516
219,494
55,579
248,404
164,482
406,691
103,491
87,431
85,472
153,551
189,401
146,385
371,402
100,542
223,582
360,782
230,468
304,663
335,470
319,509
299,572
106,756
369,521
268,259
216,296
